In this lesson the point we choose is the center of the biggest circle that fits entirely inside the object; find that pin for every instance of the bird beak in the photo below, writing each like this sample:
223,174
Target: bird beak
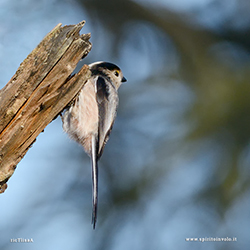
124,79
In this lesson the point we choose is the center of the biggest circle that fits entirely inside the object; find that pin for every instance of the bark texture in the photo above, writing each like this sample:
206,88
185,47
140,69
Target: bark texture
40,89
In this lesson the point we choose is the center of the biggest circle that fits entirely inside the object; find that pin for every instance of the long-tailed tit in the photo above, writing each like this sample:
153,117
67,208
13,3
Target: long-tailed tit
90,118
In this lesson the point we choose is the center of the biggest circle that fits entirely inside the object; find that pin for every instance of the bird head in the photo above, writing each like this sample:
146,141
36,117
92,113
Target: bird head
109,71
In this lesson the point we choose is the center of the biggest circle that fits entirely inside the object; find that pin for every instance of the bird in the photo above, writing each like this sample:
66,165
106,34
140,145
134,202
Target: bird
90,118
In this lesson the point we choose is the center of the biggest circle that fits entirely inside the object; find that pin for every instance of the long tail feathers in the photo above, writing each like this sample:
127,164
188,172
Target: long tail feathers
94,180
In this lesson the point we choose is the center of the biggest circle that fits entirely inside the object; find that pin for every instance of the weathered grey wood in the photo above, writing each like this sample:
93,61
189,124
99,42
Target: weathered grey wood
40,89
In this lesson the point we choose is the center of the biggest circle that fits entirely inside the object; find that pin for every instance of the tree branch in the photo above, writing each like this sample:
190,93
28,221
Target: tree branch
40,89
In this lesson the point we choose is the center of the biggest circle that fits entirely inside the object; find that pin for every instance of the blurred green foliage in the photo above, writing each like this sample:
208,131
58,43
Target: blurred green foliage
214,65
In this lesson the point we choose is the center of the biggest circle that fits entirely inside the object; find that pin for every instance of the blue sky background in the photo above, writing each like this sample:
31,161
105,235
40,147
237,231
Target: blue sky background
156,188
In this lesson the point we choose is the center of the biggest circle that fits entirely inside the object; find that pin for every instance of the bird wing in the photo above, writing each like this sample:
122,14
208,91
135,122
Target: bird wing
107,99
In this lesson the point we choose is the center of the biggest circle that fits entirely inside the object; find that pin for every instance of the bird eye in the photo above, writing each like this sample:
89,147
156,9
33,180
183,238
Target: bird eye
117,73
